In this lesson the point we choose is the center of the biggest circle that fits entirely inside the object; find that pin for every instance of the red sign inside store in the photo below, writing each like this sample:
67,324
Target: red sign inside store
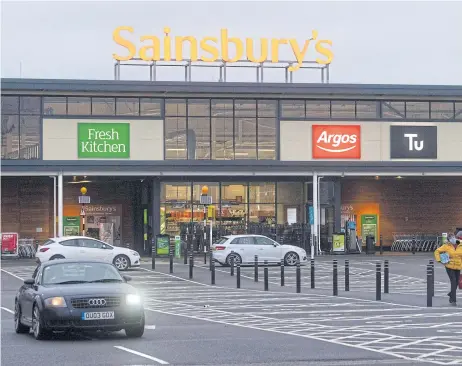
336,141
9,243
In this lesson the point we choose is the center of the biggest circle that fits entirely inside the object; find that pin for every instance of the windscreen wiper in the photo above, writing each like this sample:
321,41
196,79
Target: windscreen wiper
105,280
69,282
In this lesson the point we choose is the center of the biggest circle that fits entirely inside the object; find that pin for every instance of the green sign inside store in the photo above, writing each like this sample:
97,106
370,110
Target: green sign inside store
103,140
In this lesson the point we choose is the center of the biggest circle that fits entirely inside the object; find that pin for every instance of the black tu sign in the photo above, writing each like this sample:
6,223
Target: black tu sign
413,142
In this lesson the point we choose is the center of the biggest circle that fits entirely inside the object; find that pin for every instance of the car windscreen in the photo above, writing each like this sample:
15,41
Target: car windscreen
72,273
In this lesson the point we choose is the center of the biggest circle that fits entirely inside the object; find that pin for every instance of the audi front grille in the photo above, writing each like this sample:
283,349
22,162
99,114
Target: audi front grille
95,302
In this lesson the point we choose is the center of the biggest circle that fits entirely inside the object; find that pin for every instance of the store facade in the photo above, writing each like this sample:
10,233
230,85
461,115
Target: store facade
267,152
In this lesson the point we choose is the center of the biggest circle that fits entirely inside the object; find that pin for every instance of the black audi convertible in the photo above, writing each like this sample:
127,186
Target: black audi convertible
69,295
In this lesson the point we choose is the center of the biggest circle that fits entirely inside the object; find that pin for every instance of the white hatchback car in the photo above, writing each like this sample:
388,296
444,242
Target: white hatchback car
84,248
244,248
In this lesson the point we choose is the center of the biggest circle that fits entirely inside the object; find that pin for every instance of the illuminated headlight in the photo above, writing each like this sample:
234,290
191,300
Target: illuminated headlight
136,254
55,302
133,299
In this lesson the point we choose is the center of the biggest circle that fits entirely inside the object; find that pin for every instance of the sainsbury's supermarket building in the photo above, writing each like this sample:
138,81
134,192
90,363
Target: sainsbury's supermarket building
144,150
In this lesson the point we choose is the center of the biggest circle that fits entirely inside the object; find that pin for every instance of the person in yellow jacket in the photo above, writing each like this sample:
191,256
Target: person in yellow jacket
454,266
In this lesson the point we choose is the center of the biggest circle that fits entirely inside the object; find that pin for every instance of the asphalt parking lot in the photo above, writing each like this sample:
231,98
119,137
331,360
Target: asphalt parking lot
190,322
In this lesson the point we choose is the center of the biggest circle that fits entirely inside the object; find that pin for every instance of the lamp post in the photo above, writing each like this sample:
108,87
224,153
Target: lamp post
206,200
83,199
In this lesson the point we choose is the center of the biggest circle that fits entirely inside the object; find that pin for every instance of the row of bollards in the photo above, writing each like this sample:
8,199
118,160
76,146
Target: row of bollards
237,267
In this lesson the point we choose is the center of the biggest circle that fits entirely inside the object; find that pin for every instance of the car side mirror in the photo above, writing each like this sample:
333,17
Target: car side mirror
29,282
127,278
275,245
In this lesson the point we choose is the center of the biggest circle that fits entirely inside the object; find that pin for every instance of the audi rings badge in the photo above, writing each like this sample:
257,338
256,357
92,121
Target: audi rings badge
97,302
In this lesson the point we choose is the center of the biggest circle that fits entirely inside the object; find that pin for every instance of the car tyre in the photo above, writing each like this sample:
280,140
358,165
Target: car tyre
57,256
291,258
38,328
18,326
122,262
137,331
237,259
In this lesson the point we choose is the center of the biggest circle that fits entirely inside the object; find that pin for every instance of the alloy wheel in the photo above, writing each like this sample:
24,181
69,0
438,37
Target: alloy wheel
36,322
121,263
237,259
17,315
291,259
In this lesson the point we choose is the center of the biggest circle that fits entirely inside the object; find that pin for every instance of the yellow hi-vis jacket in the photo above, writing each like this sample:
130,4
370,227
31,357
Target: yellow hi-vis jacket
455,255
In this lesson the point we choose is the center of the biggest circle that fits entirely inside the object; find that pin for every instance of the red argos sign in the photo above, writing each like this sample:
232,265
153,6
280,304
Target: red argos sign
336,141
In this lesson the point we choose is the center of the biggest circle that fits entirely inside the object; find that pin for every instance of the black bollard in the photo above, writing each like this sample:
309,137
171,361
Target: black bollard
238,275
312,273
210,258
429,286
212,272
432,264
298,277
191,265
265,274
232,265
378,281
153,260
282,272
335,278
256,269
386,270
414,243
381,244
205,257
185,253
171,260
347,275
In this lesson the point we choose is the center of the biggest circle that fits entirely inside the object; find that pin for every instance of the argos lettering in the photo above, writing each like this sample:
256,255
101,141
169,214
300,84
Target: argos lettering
336,141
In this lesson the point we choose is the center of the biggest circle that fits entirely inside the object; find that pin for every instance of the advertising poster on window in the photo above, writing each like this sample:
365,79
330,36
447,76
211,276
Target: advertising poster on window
338,243
71,225
369,226
104,222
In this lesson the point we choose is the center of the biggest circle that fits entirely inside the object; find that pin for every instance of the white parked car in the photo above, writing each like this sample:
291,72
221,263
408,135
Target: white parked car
244,248
84,248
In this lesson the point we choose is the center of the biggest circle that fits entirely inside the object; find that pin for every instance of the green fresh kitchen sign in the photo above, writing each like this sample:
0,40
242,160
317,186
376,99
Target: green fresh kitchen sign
103,140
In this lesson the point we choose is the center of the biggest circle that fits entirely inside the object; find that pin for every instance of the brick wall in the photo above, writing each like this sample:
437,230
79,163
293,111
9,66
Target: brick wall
409,205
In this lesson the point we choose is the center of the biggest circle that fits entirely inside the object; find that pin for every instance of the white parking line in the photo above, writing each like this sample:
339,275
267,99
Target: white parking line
13,275
158,360
7,310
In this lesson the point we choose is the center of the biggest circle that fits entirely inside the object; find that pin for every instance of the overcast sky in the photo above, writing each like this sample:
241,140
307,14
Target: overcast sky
373,42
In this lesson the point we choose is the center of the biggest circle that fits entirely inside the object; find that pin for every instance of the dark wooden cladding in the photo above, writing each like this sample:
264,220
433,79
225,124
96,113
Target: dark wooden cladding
27,204
409,205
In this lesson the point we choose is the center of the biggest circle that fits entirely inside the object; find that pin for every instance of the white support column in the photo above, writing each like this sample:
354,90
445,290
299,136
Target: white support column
315,212
54,207
60,204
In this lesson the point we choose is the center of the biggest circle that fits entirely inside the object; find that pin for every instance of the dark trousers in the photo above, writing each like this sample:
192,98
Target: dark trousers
454,278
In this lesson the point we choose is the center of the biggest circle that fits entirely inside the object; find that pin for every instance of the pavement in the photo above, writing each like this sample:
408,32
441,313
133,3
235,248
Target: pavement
191,322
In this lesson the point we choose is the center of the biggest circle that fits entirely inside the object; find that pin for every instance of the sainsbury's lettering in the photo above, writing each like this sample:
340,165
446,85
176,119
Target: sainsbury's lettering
211,46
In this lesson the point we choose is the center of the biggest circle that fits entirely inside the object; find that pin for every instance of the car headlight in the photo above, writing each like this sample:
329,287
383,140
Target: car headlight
132,299
56,302
136,254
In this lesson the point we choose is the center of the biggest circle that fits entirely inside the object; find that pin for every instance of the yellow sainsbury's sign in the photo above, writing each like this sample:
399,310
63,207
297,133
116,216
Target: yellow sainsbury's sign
210,48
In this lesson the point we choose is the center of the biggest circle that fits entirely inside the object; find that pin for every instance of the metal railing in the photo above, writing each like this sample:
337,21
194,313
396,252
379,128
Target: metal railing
418,242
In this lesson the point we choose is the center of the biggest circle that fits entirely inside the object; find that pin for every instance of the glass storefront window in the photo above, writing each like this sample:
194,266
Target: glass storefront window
151,107
10,137
266,138
234,192
288,214
222,138
10,105
262,192
128,106
103,106
262,214
199,137
175,192
442,110
214,191
175,138
290,192
55,105
78,106
173,216
30,105
30,137
245,138
175,107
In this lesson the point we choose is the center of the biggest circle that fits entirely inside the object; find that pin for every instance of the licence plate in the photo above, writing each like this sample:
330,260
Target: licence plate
98,315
